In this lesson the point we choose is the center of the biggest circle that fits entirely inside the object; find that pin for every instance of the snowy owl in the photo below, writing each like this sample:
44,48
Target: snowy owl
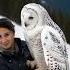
44,38
19,32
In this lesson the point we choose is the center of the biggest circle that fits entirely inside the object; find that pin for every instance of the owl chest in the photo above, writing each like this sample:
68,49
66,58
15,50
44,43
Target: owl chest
35,41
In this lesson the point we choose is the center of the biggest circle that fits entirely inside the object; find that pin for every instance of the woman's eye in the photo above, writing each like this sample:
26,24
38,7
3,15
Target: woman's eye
7,34
0,36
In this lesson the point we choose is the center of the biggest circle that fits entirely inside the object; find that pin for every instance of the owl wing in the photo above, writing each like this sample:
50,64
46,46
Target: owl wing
68,52
54,49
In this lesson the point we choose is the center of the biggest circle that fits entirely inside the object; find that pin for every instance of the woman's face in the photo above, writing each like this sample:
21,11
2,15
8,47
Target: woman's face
6,38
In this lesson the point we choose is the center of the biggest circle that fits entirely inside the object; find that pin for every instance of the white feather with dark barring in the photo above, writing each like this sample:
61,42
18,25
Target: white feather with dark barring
44,38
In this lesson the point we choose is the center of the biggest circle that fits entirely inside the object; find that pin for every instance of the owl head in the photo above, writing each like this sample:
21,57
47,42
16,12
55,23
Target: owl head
33,15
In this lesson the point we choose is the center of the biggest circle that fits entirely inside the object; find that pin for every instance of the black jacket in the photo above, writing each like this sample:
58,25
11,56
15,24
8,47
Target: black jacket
16,61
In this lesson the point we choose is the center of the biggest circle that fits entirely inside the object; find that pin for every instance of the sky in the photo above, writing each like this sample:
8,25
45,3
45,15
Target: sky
64,5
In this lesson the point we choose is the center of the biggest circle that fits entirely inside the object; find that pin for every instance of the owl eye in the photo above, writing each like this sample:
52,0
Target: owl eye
30,17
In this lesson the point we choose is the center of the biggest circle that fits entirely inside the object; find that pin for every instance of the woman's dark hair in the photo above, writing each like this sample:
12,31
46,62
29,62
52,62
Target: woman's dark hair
6,23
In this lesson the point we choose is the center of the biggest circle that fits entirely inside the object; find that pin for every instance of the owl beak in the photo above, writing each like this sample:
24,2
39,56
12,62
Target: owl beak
26,24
